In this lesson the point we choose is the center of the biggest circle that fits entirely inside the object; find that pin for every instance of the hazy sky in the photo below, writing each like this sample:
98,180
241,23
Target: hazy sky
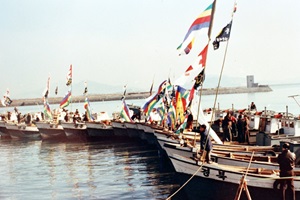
131,42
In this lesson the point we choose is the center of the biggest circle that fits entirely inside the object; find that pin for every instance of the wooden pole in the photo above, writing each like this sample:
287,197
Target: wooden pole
243,183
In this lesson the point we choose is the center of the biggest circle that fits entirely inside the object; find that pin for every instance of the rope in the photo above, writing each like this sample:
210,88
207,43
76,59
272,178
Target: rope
185,183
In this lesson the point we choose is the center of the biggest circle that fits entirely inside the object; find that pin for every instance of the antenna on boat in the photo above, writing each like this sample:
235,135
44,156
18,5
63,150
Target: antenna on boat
293,96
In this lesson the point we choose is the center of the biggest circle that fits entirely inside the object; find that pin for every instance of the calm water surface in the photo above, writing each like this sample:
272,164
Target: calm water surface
119,169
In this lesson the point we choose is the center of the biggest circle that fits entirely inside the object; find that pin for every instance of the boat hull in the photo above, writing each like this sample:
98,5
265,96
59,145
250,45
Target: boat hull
3,130
96,129
18,131
220,182
50,131
76,131
119,129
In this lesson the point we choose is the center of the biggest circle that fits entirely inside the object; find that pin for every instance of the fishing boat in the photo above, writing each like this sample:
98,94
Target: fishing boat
99,129
119,128
217,181
148,132
100,126
3,130
51,130
75,131
22,131
132,129
141,133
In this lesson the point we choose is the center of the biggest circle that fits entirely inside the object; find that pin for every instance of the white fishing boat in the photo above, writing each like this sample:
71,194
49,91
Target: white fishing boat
3,130
21,131
100,126
216,181
99,129
50,130
119,128
75,131
132,129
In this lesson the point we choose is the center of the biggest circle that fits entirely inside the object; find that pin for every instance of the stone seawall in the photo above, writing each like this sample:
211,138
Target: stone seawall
137,95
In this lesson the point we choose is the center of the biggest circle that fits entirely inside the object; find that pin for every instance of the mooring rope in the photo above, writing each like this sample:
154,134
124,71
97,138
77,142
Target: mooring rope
185,183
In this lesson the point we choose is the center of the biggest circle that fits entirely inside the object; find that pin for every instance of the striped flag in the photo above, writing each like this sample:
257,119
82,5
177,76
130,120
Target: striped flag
66,100
171,116
86,106
183,124
47,110
125,114
202,21
149,105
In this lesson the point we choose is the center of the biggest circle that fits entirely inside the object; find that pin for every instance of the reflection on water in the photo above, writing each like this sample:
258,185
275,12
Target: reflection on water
88,170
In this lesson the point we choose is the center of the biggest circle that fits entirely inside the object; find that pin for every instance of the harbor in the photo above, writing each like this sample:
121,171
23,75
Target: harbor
92,151
98,103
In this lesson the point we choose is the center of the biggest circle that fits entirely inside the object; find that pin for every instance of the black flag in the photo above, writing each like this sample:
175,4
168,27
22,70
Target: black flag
56,90
85,90
199,79
222,36
8,101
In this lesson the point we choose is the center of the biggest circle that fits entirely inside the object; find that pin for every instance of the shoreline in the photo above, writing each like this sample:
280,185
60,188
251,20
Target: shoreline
134,95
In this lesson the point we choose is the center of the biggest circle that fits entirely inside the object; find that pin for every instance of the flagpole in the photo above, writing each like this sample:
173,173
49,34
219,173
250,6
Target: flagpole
71,87
201,88
222,68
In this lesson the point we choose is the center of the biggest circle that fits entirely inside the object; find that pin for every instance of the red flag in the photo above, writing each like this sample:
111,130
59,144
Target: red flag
203,55
187,71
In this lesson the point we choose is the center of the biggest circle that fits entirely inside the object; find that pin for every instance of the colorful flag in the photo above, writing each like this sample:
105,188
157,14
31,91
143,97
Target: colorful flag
202,21
171,119
222,36
125,114
47,110
188,48
161,111
66,100
181,100
86,106
149,105
183,124
69,76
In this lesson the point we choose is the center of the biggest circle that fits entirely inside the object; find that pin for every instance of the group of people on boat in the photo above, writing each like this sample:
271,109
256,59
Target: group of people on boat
233,127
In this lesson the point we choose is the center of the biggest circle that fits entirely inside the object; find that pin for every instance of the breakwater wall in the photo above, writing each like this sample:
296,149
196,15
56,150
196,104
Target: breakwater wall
136,95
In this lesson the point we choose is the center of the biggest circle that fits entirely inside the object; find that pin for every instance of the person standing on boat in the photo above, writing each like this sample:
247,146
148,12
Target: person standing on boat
226,125
286,162
240,129
253,106
247,128
205,143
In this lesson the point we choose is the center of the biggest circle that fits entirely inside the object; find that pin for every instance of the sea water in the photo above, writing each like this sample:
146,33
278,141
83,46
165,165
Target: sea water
103,169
